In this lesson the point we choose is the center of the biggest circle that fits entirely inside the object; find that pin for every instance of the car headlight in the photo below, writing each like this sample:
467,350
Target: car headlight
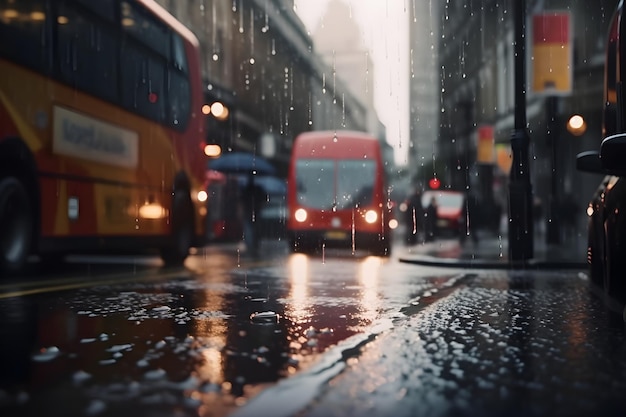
371,216
300,215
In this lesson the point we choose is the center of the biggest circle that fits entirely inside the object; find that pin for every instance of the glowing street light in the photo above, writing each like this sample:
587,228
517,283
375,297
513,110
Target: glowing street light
576,125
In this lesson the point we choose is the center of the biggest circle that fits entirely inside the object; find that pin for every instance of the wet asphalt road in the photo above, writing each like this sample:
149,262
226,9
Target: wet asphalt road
499,344
356,335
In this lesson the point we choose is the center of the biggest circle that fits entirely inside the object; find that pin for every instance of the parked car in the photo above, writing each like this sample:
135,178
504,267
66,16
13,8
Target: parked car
606,236
595,230
450,210
607,217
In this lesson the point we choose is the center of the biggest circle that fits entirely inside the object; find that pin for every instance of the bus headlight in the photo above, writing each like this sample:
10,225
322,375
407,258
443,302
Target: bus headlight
371,216
393,224
300,215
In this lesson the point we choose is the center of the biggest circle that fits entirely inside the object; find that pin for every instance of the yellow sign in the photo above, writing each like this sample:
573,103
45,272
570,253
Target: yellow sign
504,158
552,57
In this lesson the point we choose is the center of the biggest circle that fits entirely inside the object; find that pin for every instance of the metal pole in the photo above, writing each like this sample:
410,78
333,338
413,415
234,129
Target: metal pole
553,229
520,190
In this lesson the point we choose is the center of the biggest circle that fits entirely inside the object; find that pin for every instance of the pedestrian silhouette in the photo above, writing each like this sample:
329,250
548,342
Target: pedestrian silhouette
431,220
252,200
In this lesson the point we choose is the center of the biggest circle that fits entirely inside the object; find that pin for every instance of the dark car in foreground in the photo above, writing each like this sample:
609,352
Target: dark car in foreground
606,252
606,248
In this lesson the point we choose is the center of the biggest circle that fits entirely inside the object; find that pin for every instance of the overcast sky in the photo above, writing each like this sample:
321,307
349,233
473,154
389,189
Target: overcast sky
384,28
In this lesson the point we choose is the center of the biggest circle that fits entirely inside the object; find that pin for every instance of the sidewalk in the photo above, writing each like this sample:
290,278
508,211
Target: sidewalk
491,252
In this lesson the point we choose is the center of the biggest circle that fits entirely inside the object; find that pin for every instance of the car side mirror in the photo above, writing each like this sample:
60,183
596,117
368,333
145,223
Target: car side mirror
613,154
589,161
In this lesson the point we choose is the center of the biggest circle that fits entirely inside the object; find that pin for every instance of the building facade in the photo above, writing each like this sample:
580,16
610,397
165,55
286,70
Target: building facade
337,40
424,85
476,58
259,60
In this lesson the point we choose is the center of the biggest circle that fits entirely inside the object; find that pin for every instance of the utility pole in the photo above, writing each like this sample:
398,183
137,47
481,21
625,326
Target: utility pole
553,227
520,190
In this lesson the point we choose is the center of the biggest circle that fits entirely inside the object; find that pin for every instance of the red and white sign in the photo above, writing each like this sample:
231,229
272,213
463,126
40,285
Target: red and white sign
552,53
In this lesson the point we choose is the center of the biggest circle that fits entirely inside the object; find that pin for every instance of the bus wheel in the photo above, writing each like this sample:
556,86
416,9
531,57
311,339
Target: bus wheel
181,237
16,225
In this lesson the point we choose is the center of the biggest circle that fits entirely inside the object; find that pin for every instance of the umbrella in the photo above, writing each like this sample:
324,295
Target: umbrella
242,163
271,185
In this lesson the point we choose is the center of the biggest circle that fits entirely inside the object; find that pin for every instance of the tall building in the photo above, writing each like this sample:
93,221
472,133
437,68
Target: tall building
424,84
476,58
337,39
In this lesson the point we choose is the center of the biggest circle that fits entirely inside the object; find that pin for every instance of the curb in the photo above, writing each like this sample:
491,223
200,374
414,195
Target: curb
492,264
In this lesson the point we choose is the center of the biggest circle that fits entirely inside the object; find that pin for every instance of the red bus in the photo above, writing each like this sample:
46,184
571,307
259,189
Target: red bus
101,130
337,193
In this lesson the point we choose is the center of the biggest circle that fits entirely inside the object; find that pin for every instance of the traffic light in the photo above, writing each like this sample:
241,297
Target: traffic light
434,183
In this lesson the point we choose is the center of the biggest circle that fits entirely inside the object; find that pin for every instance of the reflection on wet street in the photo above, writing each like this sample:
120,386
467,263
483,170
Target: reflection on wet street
338,333
196,341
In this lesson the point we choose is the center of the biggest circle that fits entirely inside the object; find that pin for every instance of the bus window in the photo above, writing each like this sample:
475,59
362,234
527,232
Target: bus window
354,183
87,52
315,178
26,35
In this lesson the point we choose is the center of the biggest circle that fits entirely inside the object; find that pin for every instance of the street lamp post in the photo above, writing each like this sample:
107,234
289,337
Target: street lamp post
553,232
520,190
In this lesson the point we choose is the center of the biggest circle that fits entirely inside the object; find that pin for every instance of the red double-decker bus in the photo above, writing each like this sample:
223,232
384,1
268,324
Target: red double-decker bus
101,130
337,193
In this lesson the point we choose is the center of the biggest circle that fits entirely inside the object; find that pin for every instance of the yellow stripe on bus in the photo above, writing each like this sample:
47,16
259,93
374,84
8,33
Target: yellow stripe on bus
26,131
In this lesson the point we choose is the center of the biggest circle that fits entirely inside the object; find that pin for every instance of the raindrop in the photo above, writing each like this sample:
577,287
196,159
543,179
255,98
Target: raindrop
265,317
80,376
155,374
95,407
47,354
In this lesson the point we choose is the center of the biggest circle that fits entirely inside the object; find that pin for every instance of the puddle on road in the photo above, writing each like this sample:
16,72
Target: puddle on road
184,345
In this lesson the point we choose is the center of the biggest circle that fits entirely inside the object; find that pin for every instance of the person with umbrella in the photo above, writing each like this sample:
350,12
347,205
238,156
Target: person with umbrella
252,200
252,196
242,163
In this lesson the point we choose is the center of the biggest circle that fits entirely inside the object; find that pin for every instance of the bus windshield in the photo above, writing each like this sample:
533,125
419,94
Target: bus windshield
324,183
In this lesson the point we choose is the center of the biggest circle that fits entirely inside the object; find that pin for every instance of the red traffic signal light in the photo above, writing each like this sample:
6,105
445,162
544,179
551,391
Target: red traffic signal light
434,183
